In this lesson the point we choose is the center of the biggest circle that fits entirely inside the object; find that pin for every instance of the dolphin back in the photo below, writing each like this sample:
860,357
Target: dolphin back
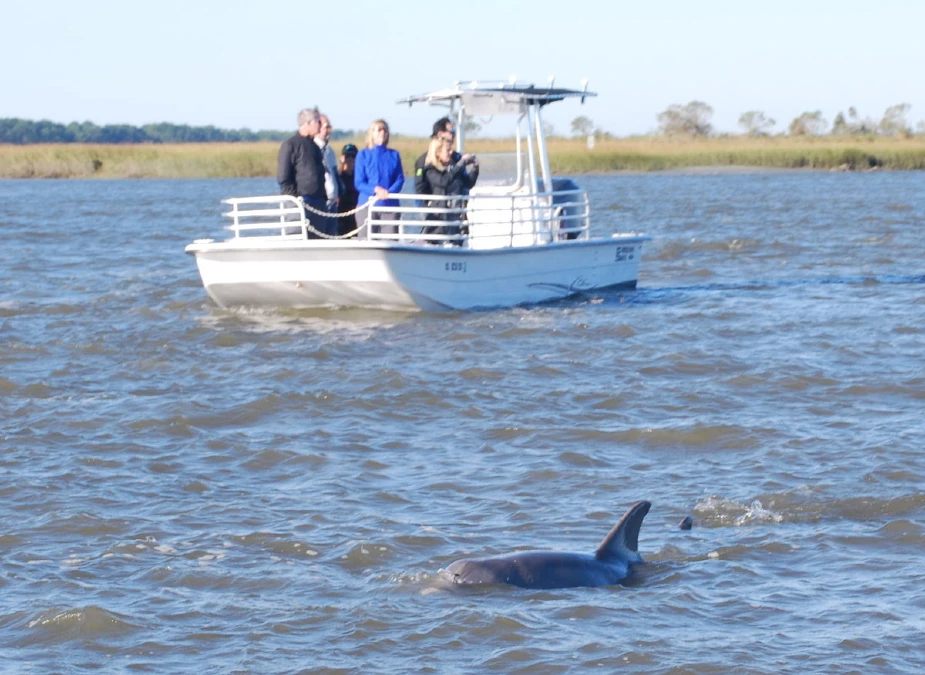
622,542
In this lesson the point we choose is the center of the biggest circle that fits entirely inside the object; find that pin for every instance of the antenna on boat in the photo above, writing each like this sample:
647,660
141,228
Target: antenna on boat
551,80
584,89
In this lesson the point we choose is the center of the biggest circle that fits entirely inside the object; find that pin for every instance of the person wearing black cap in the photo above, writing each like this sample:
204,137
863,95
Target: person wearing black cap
349,194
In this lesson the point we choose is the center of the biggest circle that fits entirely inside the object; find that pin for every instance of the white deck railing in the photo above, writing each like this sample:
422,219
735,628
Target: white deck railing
263,214
482,220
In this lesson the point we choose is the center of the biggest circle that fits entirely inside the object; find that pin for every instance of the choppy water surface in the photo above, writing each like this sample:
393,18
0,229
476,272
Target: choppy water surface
191,489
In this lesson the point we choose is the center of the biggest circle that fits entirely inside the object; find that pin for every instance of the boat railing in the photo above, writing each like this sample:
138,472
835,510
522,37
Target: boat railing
481,220
275,215
484,219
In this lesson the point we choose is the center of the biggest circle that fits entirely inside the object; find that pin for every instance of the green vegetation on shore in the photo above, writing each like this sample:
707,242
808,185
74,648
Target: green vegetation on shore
180,160
567,156
785,152
23,132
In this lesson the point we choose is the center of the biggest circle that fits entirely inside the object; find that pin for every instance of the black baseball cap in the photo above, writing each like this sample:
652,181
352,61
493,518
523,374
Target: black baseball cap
349,149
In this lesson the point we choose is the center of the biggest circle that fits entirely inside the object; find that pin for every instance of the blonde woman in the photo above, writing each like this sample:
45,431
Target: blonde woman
445,176
379,172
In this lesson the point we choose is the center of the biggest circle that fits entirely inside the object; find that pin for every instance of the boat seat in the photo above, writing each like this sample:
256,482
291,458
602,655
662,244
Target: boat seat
499,217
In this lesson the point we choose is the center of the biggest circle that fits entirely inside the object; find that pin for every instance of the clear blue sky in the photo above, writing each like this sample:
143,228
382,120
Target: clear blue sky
239,64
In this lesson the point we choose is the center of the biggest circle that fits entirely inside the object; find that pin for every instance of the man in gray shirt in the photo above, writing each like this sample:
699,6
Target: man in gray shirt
332,185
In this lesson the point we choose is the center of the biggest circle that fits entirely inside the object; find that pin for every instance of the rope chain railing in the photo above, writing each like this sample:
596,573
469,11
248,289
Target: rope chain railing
326,214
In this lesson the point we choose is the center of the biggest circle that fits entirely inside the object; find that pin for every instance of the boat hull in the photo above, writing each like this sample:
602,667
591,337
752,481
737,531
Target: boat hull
313,273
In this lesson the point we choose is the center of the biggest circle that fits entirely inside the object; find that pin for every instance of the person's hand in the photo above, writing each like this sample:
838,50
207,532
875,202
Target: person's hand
380,192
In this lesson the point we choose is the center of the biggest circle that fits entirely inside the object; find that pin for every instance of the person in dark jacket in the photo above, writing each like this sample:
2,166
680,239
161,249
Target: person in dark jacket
448,173
443,130
300,167
349,196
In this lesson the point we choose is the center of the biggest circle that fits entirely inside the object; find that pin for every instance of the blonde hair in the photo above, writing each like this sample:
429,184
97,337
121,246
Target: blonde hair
432,158
371,133
433,151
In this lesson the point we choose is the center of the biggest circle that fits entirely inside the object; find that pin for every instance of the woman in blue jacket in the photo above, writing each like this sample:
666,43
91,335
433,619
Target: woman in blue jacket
378,172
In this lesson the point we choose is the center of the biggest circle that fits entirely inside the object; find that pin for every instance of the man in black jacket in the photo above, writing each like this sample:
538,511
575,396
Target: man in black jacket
443,128
300,169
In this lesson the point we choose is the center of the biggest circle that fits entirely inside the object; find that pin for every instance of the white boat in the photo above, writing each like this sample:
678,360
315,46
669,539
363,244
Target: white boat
525,237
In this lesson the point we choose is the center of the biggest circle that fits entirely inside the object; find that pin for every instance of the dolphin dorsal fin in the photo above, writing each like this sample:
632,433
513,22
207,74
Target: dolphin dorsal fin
623,540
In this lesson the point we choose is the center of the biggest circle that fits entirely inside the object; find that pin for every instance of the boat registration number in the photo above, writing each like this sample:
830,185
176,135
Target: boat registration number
455,267
624,253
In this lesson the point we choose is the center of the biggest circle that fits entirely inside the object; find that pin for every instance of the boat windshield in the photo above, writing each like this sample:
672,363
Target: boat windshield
497,168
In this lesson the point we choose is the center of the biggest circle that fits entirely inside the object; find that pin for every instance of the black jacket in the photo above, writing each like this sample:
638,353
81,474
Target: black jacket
421,186
456,179
348,194
348,201
300,170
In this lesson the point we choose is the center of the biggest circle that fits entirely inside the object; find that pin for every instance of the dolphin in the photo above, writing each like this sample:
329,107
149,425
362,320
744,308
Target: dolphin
608,565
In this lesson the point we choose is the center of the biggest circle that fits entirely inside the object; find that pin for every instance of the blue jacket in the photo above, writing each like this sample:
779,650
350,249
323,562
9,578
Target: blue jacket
380,166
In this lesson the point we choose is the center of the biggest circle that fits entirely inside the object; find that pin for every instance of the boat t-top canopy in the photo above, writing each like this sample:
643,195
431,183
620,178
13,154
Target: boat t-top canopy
495,98
525,101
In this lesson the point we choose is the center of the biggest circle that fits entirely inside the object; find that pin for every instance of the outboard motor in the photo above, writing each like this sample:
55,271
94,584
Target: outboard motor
565,207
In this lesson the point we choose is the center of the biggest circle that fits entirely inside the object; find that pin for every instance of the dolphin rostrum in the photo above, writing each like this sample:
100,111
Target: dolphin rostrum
609,564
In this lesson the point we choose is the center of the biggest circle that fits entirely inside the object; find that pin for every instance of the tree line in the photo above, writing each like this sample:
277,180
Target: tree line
21,132
693,120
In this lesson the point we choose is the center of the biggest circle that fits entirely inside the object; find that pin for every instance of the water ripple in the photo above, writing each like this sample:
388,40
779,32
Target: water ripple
187,487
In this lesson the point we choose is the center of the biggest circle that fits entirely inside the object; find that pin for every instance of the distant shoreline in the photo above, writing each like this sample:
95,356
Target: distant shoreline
727,155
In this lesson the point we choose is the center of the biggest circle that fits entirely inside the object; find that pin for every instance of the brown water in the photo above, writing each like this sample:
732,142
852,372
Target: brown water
190,489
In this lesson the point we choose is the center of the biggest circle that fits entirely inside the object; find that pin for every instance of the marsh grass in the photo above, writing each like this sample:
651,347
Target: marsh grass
192,160
654,154
567,156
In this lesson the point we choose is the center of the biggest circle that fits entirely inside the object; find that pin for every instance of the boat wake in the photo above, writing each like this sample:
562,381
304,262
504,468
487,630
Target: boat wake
673,294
